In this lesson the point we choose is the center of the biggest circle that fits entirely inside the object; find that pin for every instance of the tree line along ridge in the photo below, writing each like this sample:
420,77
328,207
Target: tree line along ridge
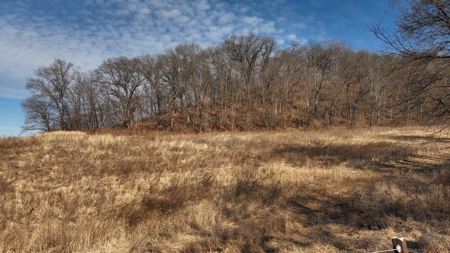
245,82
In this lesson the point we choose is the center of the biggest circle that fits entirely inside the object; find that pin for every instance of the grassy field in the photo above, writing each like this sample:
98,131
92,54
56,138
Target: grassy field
224,192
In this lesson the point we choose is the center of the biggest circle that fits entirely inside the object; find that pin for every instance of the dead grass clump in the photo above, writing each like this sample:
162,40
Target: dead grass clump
246,237
255,191
432,204
5,186
141,247
179,192
442,174
431,243
204,245
13,145
65,133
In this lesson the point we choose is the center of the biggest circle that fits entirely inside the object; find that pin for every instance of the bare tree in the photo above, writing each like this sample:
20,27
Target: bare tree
85,100
53,83
321,57
280,80
380,78
223,85
39,114
352,68
122,78
156,91
251,54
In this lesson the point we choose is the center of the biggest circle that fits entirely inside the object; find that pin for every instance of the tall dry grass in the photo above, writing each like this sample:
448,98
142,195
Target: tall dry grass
228,192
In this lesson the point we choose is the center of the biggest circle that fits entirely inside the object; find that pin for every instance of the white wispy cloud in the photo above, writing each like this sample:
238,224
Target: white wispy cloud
89,32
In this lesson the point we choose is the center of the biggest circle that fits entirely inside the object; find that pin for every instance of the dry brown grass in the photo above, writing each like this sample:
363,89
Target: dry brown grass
227,192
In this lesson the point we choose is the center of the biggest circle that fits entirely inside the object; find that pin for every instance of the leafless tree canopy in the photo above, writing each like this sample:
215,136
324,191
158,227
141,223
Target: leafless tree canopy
52,85
422,39
422,29
246,82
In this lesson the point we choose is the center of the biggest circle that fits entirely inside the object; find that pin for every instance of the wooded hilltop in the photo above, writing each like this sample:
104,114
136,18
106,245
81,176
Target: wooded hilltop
247,82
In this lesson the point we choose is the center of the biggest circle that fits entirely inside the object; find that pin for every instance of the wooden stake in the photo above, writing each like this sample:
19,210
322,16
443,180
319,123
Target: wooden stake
400,241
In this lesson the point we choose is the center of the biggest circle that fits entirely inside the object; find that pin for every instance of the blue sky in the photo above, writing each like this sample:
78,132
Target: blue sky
86,32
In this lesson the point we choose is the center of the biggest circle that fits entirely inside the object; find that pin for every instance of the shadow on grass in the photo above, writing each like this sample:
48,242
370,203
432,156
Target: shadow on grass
417,138
357,156
419,195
